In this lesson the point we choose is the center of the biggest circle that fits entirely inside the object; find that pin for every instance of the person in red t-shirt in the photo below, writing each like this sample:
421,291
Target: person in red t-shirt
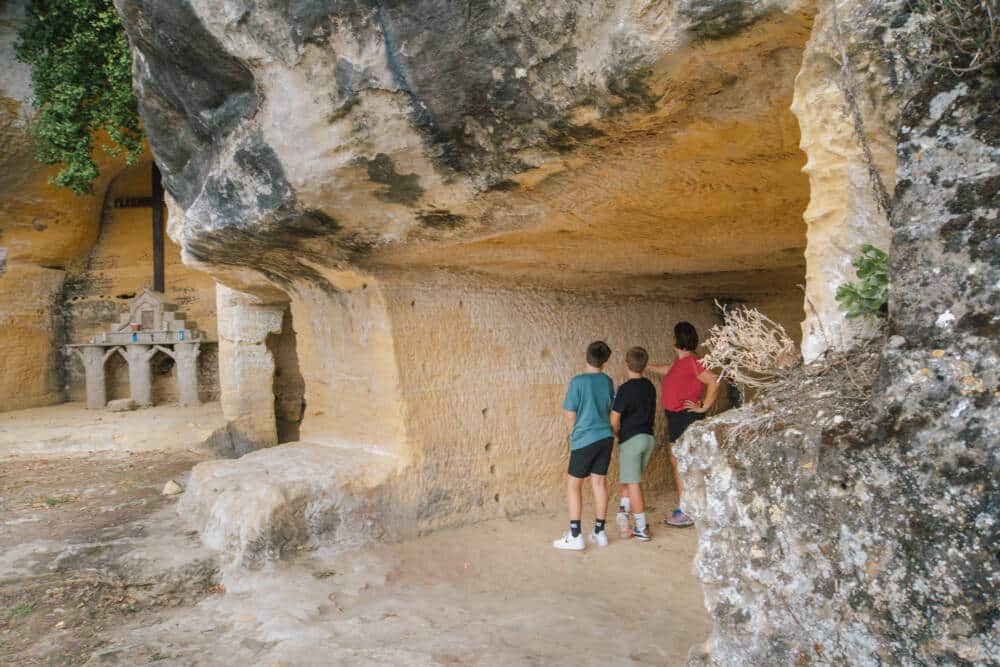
683,383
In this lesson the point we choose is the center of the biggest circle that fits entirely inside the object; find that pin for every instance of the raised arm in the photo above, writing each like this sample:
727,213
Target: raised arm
659,369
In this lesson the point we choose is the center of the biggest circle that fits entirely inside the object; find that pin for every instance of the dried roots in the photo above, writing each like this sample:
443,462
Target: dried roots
750,349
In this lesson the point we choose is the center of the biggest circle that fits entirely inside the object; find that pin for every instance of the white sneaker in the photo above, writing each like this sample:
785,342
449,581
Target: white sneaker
567,541
600,539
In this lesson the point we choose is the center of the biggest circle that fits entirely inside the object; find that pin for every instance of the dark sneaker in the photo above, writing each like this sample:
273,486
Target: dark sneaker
678,519
641,534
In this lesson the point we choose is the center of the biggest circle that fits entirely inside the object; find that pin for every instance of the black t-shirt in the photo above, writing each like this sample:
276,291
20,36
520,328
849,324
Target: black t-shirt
636,402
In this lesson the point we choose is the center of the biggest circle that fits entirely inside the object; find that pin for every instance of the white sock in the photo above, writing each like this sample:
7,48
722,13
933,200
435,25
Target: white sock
625,505
640,521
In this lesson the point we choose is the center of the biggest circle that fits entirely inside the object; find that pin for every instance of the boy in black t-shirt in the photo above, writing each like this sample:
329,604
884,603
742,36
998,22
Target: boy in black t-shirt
632,421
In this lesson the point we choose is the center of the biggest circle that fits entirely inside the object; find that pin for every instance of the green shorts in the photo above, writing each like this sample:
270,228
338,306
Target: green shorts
633,457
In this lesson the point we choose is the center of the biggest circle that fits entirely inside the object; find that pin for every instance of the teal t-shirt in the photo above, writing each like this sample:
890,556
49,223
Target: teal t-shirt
589,395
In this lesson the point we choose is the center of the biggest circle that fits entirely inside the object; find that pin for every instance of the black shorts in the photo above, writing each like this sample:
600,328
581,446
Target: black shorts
677,422
593,459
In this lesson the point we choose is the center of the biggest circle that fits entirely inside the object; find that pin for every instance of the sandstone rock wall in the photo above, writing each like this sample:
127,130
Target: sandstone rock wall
68,263
444,391
456,185
42,231
483,371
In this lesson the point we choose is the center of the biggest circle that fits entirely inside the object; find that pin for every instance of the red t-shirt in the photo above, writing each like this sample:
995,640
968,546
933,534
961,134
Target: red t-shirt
682,384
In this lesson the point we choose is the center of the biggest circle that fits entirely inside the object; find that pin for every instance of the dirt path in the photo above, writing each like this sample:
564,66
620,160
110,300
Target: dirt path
73,569
110,576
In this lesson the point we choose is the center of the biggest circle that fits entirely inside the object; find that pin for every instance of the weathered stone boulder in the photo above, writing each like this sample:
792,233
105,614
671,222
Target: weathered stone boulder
274,501
851,518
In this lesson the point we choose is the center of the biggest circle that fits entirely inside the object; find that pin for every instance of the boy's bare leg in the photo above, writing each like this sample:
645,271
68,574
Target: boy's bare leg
634,492
599,486
574,497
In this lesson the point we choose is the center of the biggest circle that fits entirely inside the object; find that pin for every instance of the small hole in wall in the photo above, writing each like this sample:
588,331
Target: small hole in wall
496,498
413,303
364,285
546,353
485,410
493,470
459,304
489,446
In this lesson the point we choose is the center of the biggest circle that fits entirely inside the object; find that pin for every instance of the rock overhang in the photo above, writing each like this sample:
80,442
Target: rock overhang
556,145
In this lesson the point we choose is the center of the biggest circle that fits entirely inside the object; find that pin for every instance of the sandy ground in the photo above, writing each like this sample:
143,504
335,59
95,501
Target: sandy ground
71,428
97,569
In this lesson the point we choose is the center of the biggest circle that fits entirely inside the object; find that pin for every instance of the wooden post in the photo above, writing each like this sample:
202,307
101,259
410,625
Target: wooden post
157,204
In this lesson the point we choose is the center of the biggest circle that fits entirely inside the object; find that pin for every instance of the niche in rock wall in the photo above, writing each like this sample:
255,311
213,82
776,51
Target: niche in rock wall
289,387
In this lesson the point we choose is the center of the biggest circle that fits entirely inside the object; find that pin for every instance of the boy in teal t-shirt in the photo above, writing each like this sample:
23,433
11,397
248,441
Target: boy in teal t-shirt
588,409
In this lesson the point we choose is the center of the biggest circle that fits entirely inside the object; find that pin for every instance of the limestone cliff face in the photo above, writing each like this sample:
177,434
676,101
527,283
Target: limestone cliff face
851,518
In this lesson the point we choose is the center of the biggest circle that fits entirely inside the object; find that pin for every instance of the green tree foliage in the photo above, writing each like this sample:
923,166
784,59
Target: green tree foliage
81,69
869,297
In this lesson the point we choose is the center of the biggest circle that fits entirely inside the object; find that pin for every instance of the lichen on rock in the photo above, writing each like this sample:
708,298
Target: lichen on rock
851,517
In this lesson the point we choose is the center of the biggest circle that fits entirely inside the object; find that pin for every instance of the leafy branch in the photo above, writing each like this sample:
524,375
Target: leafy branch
81,71
869,297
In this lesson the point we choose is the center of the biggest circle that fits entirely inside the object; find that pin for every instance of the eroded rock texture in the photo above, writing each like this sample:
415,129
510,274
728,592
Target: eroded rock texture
845,523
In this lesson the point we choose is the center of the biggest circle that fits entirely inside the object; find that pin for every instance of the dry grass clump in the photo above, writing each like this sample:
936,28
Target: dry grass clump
965,34
750,349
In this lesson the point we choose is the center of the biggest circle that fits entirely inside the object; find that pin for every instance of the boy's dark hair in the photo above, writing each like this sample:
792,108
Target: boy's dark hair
636,359
598,353
686,336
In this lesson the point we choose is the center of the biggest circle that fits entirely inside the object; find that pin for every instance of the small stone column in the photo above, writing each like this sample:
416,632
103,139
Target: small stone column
185,356
93,358
140,378
246,367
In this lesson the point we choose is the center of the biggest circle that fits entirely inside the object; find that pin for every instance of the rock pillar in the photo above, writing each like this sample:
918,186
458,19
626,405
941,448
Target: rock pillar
246,366
140,378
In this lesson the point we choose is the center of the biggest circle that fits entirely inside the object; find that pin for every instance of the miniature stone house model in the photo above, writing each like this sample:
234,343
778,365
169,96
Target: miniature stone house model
147,327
